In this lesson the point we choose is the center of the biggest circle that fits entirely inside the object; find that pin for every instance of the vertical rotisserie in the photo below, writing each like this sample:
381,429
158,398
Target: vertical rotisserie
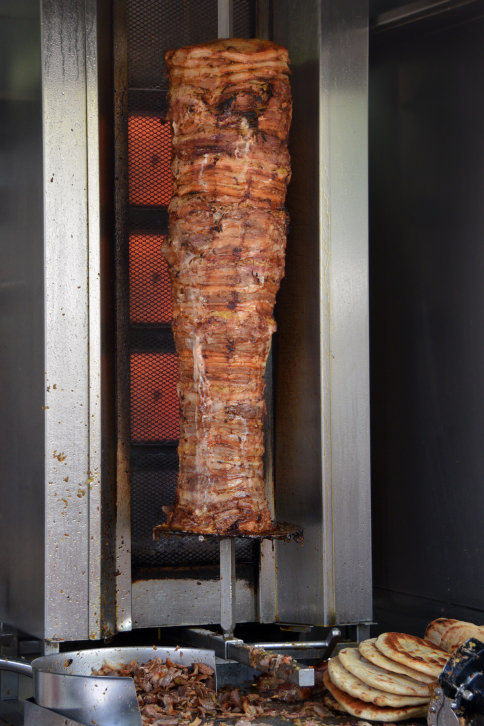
230,110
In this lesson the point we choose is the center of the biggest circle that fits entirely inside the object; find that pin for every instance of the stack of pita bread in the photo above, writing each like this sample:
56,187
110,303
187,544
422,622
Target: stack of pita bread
449,633
389,678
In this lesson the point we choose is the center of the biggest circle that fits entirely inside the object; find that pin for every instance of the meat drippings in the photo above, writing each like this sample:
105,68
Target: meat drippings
230,109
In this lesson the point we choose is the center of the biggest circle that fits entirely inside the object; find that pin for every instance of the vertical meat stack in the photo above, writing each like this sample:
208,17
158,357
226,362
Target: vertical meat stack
230,109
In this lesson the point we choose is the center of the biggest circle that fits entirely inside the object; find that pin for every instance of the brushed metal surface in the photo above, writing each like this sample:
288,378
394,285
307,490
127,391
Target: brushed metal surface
94,321
322,391
65,682
23,668
72,321
427,162
267,561
186,602
82,662
67,478
51,468
225,18
346,30
228,593
21,320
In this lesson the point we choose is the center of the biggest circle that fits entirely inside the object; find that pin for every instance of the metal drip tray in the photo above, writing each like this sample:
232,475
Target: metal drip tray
280,531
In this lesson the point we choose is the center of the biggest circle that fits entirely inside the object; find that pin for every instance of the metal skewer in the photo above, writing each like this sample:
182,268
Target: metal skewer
227,586
226,645
259,658
225,11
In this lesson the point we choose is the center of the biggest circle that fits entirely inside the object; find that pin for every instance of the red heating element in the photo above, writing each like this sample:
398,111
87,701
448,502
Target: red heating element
149,157
149,282
154,401
154,414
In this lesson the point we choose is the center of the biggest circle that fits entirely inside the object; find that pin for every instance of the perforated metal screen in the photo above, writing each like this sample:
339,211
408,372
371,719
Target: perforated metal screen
149,158
167,24
154,26
149,282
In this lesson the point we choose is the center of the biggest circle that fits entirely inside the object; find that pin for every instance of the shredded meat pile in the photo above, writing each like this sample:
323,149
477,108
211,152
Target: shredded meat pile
170,694
230,109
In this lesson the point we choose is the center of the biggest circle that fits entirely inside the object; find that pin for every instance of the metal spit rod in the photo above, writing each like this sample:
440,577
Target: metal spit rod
261,660
258,657
234,648
226,646
227,586
225,18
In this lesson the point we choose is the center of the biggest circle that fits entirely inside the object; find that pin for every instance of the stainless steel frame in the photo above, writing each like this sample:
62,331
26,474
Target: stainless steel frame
322,458
427,299
51,500
72,326
322,448
57,490
21,323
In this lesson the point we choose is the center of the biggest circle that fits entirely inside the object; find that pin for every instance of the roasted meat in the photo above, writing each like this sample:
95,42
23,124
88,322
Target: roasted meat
230,110
170,694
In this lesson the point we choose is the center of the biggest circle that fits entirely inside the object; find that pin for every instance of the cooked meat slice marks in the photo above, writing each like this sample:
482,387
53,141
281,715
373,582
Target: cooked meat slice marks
226,51
230,110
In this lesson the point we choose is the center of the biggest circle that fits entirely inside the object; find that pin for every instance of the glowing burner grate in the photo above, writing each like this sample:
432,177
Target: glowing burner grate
149,282
149,157
154,402
152,28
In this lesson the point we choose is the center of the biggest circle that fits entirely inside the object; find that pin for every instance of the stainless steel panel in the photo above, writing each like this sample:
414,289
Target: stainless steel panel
51,468
267,562
94,320
322,407
187,602
427,225
21,319
72,344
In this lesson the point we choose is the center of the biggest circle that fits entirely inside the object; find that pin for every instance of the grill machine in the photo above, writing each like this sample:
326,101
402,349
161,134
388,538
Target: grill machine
89,420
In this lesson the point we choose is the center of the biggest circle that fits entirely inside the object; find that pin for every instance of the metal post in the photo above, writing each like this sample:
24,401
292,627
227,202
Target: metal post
227,586
263,11
225,19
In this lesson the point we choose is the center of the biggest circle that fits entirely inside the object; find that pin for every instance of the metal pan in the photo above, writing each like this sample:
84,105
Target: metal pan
63,682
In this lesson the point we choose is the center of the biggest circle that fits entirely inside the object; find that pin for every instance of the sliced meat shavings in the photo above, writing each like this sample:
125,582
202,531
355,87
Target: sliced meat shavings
189,697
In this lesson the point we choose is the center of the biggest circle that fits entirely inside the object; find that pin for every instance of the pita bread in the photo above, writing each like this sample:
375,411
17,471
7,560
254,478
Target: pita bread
332,703
412,651
377,677
369,651
435,630
459,633
369,711
351,685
